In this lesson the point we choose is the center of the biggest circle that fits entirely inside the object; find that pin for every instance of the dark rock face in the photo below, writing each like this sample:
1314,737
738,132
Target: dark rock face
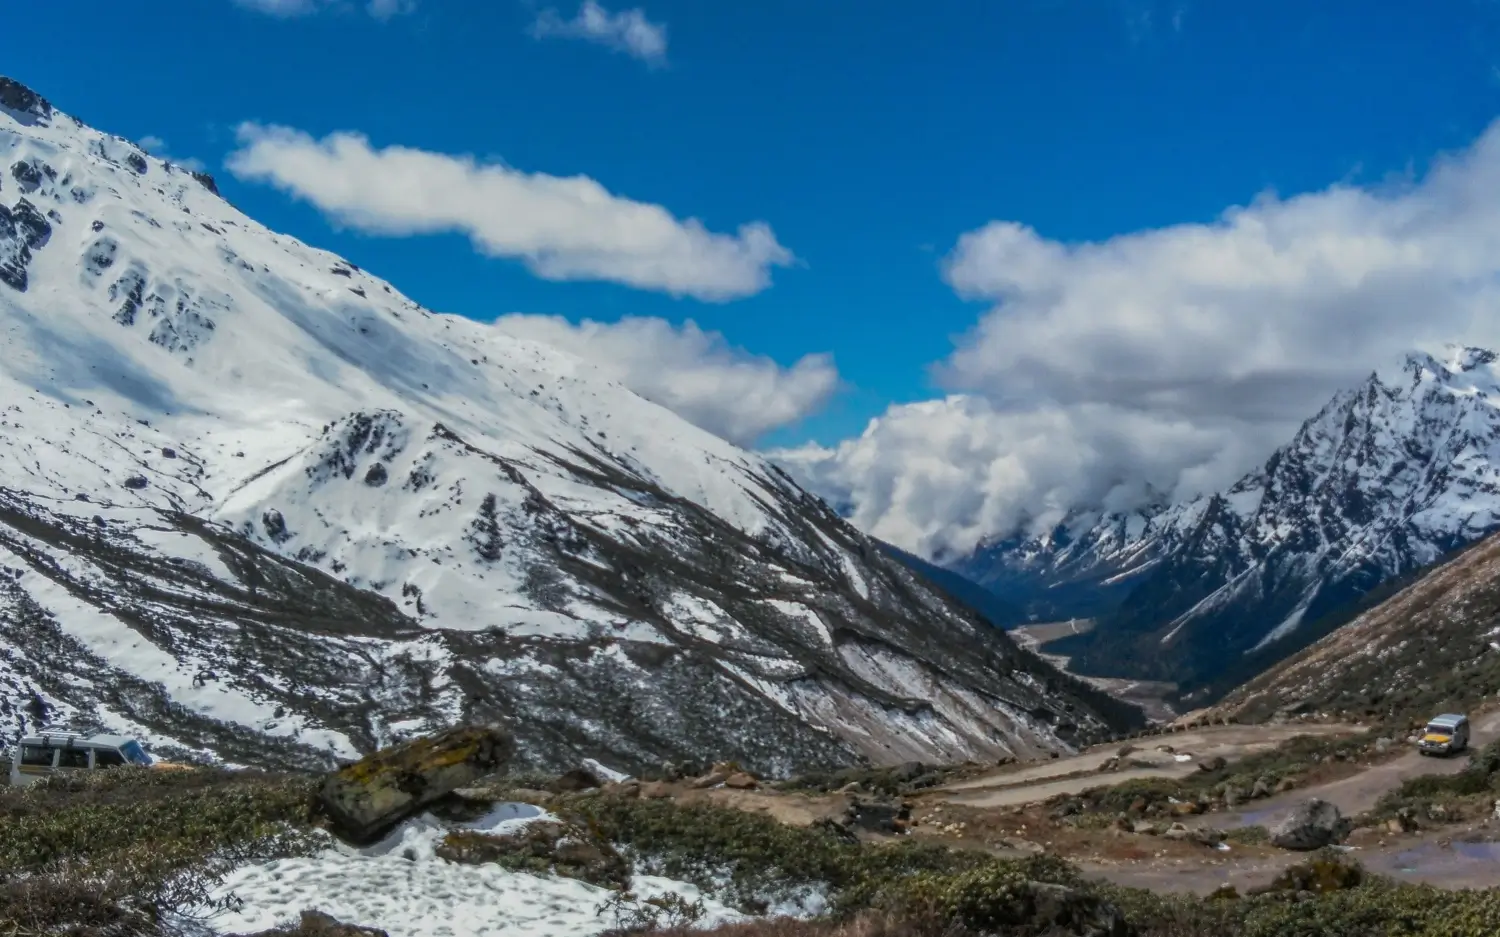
23,230
368,798
207,181
1313,825
19,99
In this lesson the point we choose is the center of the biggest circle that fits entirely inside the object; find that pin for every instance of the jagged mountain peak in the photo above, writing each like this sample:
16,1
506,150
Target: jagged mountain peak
1386,477
266,506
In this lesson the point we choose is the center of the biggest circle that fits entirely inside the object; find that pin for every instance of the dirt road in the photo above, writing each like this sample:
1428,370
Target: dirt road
1026,784
1359,793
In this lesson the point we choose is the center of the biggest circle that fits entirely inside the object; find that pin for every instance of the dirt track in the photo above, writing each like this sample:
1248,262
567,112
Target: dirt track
1440,857
1359,793
1006,787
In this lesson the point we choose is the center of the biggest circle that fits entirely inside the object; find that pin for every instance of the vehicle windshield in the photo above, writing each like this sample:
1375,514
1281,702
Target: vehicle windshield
135,754
1436,729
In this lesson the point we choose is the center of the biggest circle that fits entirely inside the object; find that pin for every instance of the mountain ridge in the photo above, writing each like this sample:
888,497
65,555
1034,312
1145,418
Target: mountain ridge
209,425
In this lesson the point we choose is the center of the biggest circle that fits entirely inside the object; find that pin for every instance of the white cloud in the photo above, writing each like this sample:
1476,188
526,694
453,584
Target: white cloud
157,147
627,31
697,374
287,9
563,228
1175,358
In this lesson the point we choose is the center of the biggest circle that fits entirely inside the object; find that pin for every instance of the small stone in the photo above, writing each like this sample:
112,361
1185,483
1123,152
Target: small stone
741,781
711,779
1216,763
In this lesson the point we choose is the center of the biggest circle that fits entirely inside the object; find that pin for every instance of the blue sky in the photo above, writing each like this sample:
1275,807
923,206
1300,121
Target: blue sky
870,135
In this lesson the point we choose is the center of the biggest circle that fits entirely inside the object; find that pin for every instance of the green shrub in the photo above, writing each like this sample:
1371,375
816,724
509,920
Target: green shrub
116,849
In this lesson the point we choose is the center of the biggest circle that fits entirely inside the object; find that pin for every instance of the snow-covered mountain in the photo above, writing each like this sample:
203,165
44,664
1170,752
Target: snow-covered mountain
1386,478
255,501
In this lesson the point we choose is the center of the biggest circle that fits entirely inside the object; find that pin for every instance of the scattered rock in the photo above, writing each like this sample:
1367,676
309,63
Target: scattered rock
625,789
1383,744
1233,796
1177,831
1216,763
1185,809
527,795
1113,764
853,787
1312,825
1126,750
1261,788
579,779
1284,785
369,797
1144,827
711,779
741,781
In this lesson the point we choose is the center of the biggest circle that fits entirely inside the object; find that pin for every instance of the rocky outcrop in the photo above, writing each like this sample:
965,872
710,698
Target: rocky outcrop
1313,825
366,799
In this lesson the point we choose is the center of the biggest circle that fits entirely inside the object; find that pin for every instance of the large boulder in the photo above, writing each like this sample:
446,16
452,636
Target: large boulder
366,799
1312,825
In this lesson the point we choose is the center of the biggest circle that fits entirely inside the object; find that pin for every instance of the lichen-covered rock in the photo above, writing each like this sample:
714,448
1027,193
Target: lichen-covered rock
367,798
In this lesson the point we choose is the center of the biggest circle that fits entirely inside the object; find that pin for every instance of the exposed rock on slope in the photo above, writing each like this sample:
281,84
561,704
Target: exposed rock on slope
258,503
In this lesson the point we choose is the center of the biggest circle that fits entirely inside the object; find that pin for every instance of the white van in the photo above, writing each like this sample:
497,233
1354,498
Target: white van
54,751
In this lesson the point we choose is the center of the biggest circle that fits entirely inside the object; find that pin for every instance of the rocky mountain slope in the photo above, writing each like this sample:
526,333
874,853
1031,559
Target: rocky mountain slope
255,502
1384,480
1432,646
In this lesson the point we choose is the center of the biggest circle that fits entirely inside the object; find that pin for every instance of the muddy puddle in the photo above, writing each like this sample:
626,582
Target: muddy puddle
1455,865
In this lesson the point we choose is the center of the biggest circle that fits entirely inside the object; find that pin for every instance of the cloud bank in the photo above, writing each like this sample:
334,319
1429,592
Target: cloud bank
697,374
562,228
1172,359
627,31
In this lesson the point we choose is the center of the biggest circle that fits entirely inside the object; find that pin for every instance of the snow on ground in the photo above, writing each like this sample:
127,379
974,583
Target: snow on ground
401,886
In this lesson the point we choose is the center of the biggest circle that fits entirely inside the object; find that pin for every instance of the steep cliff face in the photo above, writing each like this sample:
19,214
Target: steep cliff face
1385,479
255,502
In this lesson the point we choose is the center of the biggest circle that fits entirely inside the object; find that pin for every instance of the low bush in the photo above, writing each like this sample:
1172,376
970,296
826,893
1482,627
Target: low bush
115,851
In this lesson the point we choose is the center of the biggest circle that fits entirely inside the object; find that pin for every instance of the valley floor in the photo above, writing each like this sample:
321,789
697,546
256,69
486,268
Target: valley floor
1150,695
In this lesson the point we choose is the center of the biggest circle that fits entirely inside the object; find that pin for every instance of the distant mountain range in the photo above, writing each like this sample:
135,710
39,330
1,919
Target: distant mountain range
1385,479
